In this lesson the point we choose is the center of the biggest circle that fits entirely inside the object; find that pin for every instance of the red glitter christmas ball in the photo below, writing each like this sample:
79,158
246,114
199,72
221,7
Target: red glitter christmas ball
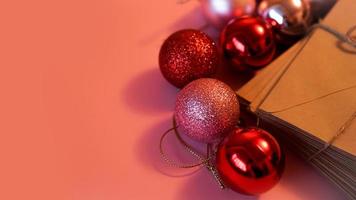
188,55
250,161
248,43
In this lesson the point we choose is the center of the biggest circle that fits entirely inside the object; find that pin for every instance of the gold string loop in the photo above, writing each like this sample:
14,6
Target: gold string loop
203,160
176,163
347,38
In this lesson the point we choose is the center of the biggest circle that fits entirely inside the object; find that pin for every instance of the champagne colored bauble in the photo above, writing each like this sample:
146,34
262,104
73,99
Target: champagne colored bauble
206,109
188,55
291,18
250,161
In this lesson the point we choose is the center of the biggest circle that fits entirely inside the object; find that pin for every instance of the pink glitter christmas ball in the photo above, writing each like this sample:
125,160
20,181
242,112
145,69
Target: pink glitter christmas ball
206,109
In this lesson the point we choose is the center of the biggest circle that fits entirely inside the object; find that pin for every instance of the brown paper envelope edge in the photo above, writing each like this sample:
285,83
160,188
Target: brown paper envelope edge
320,69
251,90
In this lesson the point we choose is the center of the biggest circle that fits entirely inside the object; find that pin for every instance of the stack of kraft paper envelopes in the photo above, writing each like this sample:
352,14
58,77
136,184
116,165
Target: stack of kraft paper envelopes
308,97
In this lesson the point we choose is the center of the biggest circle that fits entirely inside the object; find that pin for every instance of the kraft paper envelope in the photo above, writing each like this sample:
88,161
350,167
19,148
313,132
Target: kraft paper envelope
320,68
253,91
308,93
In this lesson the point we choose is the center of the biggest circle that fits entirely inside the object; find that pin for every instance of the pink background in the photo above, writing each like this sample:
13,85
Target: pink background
83,105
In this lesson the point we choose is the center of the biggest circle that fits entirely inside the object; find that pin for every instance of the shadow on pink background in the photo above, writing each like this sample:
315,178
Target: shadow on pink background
149,93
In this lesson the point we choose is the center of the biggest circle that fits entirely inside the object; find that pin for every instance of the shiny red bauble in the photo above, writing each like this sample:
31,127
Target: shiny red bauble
188,55
250,161
248,43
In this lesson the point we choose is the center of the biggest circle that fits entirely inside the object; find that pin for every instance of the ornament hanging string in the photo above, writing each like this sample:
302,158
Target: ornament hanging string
188,148
347,38
202,160
338,133
210,166
314,99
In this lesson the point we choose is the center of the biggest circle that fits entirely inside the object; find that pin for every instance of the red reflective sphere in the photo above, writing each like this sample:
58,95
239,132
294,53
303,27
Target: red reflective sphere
250,161
248,43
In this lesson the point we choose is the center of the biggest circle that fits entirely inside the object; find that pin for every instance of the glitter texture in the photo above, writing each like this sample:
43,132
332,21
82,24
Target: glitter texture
206,109
188,55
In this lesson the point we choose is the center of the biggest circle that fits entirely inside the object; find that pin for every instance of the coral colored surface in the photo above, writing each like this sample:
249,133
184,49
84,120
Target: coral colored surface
82,105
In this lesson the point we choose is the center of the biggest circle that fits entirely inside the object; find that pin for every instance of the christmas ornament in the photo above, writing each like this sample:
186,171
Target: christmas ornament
187,55
206,109
290,18
248,43
250,161
219,12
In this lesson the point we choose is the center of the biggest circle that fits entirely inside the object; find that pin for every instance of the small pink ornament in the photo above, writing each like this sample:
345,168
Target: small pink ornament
206,109
220,12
